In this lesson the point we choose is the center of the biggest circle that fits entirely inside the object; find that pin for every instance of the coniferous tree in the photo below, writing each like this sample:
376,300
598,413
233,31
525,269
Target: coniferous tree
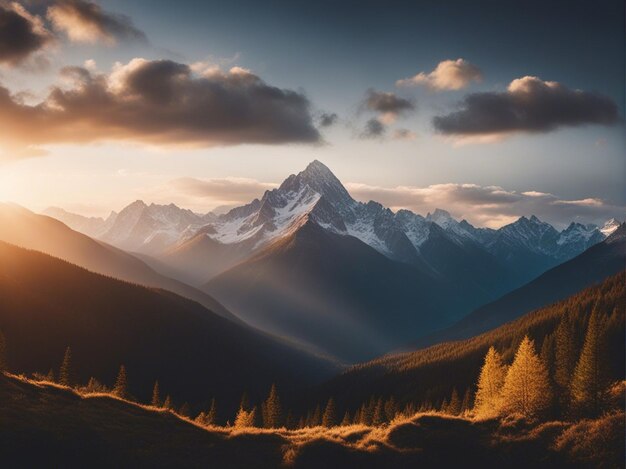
290,421
50,376
316,417
547,353
121,383
200,418
390,409
564,357
490,383
346,419
272,417
66,372
308,419
454,406
526,388
167,404
94,386
302,422
245,418
3,353
357,417
244,403
590,380
185,410
443,407
329,419
466,404
378,417
156,395
211,415
367,411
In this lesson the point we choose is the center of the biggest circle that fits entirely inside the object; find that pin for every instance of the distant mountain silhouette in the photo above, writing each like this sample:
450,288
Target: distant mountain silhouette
590,267
24,228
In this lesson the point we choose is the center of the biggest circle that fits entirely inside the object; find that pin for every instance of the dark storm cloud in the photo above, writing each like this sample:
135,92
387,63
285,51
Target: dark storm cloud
21,34
387,103
160,102
85,21
328,119
528,105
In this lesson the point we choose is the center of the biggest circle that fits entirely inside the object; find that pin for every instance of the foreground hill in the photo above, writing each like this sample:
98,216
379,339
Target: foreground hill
47,304
592,266
50,426
429,375
24,228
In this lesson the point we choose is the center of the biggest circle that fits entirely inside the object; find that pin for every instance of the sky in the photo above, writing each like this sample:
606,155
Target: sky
489,109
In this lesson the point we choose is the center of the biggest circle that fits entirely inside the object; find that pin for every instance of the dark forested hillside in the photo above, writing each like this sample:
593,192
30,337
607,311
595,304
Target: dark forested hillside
430,375
29,230
47,305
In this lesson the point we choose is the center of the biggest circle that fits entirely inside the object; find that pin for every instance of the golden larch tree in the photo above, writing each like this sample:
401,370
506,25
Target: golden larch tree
526,388
490,383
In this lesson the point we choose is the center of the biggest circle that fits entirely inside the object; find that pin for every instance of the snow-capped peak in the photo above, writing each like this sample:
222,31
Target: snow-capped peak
609,227
320,179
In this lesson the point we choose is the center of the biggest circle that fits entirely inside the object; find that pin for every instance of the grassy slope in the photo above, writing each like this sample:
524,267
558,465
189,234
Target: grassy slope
47,425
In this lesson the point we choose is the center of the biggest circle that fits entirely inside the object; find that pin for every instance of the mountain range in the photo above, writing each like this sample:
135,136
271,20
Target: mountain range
342,277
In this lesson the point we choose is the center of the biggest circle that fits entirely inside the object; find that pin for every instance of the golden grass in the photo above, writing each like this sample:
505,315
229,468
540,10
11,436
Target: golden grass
421,440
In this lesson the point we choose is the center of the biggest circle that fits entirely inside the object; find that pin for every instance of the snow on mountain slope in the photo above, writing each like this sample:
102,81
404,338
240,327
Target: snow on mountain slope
316,194
151,228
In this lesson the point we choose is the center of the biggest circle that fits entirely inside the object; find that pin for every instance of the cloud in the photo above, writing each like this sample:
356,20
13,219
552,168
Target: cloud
328,119
22,35
84,21
159,102
388,105
490,206
404,134
448,75
202,194
528,105
373,129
